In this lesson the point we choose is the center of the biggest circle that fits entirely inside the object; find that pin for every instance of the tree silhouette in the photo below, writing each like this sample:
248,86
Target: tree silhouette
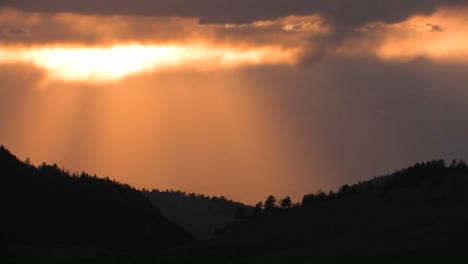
270,203
308,199
286,203
321,196
344,190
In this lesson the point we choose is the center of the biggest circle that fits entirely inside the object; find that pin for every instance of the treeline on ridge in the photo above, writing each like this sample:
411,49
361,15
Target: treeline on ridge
434,176
48,205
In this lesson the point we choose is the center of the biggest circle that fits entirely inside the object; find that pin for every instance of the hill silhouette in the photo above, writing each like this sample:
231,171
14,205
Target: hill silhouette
415,215
46,209
199,214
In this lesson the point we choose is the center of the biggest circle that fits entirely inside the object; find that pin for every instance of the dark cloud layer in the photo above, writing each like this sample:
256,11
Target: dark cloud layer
143,21
344,12
31,28
317,28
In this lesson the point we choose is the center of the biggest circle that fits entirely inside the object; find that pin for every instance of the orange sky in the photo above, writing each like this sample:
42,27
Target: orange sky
243,110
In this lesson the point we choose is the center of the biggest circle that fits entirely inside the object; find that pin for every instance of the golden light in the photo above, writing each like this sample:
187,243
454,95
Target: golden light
439,37
100,64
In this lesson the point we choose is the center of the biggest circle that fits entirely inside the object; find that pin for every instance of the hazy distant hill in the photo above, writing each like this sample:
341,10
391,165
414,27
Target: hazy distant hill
45,209
416,215
201,215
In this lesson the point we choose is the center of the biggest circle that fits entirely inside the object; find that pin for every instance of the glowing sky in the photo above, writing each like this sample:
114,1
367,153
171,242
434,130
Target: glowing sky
239,98
100,64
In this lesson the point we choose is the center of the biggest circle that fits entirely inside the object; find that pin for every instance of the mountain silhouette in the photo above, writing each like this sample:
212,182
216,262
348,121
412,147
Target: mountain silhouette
415,215
48,212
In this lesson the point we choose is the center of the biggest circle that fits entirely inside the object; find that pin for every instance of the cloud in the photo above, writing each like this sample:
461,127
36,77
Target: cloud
35,28
296,39
139,41
434,27
234,21
438,37
244,11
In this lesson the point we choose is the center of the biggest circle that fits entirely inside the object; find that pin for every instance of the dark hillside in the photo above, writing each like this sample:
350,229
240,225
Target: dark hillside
49,206
416,215
200,215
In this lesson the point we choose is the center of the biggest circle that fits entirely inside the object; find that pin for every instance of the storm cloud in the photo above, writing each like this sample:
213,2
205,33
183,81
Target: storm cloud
232,22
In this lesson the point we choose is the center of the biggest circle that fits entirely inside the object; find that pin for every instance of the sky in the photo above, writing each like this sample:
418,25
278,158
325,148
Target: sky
236,98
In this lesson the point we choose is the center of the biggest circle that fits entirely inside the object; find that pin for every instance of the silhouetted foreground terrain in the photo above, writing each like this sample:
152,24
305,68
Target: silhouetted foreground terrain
48,214
416,215
200,215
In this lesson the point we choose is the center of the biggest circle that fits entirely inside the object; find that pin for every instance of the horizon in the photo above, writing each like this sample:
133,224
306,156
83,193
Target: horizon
150,189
